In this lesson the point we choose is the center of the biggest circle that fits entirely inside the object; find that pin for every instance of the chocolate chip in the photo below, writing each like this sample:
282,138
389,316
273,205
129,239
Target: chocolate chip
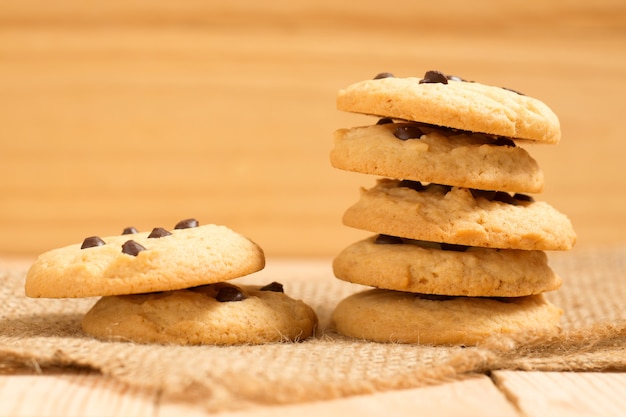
186,224
274,287
408,131
504,197
513,91
523,197
388,240
384,121
229,293
432,77
414,185
487,195
501,141
384,75
158,232
91,242
129,231
434,297
500,196
131,247
453,247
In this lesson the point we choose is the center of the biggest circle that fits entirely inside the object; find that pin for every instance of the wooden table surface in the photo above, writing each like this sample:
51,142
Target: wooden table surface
145,112
502,394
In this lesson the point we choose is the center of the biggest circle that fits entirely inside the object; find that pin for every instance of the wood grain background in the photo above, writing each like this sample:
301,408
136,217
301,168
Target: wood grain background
145,112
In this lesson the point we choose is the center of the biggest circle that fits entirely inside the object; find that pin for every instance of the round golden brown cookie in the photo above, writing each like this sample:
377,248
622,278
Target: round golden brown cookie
401,317
461,216
160,260
450,102
432,268
412,151
216,314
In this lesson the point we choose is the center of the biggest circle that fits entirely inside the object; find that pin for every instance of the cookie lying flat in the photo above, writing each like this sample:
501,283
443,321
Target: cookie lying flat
216,314
424,267
418,152
160,260
400,317
450,102
460,216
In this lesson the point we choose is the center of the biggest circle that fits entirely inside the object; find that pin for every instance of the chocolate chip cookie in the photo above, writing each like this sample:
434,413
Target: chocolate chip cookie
408,265
450,101
461,216
186,255
216,314
403,317
419,152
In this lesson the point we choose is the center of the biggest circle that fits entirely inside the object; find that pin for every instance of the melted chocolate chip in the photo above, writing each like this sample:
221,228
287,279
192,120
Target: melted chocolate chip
487,195
414,185
186,224
434,297
500,196
384,121
274,287
91,242
453,247
384,75
388,240
158,232
129,231
432,77
504,197
408,131
523,197
229,293
132,248
504,142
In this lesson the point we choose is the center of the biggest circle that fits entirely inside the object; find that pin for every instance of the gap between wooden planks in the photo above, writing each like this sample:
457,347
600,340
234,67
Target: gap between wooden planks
511,393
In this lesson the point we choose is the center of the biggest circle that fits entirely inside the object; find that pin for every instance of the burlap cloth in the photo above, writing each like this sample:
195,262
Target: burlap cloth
40,334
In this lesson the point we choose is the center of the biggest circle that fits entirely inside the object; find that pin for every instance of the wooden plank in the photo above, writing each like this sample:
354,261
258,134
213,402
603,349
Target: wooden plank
68,395
565,394
469,396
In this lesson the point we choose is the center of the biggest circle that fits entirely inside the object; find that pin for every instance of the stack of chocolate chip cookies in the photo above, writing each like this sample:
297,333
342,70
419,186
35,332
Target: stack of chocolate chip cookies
458,251
170,287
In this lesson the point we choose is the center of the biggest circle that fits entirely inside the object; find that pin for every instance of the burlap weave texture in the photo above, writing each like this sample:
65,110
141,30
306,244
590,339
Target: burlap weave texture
41,333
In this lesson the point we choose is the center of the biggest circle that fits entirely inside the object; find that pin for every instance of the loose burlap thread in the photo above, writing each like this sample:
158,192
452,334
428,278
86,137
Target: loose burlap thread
45,333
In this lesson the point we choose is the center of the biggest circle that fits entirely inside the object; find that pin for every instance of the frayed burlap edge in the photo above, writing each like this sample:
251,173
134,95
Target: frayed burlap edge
597,348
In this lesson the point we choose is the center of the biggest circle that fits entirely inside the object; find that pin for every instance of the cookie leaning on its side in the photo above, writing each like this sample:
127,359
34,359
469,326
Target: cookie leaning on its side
167,286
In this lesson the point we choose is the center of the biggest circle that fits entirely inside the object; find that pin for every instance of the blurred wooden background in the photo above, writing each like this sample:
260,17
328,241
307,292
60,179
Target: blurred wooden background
145,112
